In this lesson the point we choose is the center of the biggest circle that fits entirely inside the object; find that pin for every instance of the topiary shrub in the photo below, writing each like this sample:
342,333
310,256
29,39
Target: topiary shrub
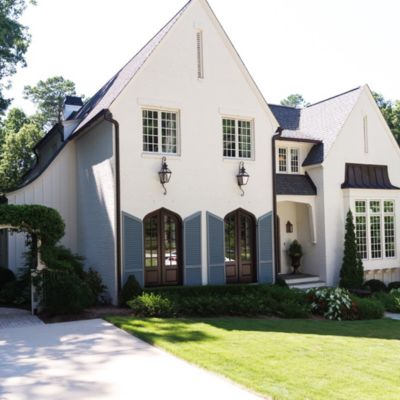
368,308
6,276
375,285
63,292
394,285
130,290
352,272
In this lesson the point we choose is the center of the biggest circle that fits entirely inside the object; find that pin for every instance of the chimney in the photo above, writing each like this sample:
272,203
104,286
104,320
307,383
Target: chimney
71,104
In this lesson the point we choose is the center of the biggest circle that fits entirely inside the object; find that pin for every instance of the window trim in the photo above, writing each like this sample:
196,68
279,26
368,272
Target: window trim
382,214
252,137
178,130
288,150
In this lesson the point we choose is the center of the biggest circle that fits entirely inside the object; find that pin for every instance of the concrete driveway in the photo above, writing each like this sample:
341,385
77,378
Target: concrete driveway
94,360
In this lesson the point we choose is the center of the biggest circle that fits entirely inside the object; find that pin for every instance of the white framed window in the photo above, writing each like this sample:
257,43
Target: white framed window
237,138
375,228
288,160
294,160
282,160
160,131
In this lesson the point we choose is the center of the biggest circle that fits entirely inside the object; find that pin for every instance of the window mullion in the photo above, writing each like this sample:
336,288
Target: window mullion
237,137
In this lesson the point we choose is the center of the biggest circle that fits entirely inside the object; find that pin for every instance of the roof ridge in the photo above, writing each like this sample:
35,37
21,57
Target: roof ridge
333,97
87,109
281,105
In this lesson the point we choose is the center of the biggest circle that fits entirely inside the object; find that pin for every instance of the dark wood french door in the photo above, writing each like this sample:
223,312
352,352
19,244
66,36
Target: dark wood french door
162,249
240,251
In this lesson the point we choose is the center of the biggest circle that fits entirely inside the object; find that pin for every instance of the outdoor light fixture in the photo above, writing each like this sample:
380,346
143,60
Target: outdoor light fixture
289,227
164,173
242,177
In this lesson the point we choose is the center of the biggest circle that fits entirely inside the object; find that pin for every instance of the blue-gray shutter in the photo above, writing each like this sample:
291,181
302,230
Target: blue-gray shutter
132,230
216,249
192,249
265,249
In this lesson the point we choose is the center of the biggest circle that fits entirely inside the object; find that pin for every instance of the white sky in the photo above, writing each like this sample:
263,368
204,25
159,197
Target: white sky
317,48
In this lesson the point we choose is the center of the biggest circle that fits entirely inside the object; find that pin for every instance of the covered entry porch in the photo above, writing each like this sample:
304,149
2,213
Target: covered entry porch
297,221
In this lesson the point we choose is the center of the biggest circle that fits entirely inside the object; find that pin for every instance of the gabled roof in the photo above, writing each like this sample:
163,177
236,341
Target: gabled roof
321,121
110,91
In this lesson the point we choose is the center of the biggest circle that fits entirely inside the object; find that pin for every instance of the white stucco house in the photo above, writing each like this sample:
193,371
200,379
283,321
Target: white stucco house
187,100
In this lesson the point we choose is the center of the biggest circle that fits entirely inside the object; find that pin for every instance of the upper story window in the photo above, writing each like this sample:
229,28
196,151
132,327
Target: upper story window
237,138
160,131
288,160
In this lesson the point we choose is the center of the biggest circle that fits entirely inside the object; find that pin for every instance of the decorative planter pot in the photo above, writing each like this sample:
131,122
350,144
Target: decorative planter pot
295,263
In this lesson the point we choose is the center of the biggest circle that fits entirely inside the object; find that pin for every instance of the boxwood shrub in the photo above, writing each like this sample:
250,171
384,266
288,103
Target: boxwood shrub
239,300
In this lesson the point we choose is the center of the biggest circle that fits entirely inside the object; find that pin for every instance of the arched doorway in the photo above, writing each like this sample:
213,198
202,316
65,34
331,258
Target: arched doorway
240,247
162,248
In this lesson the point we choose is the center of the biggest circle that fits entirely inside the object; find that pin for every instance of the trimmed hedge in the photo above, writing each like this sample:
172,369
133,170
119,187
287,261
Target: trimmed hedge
368,308
6,276
238,300
375,285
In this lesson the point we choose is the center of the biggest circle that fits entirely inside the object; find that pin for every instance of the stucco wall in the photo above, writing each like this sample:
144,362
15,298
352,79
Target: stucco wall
96,202
55,188
202,180
349,147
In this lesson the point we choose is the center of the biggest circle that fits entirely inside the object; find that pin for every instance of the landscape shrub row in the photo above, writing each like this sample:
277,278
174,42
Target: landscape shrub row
238,300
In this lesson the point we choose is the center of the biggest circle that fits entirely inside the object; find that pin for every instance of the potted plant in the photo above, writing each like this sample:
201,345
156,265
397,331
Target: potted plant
295,252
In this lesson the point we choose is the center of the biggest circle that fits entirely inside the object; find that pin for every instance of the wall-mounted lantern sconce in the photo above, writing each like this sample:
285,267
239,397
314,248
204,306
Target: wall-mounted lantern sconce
242,177
164,173
289,227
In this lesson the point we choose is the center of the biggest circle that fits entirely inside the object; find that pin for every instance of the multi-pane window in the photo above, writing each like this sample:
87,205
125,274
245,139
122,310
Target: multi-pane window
159,131
388,210
375,228
288,160
282,160
361,229
294,160
237,138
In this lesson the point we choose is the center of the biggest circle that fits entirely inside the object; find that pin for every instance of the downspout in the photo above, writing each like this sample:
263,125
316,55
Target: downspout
277,252
109,117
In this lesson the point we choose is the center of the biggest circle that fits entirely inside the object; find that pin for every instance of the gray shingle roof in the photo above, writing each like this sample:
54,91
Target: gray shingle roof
290,184
110,91
321,121
288,117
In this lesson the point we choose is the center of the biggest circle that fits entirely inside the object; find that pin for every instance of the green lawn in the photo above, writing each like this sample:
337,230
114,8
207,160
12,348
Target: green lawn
286,359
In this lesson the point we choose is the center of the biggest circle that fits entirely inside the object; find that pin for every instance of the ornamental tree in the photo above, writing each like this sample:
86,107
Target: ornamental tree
352,271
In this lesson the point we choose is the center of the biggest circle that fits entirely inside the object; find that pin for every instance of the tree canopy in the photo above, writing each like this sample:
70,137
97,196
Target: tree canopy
14,42
391,111
294,100
17,155
49,96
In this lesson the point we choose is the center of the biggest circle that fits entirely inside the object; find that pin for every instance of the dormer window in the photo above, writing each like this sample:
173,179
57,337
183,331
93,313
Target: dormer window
288,160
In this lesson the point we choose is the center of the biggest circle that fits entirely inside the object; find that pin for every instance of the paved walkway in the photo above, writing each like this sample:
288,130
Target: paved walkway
94,360
17,318
392,315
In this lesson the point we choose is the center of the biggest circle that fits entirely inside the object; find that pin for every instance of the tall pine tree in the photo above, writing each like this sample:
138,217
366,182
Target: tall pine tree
352,272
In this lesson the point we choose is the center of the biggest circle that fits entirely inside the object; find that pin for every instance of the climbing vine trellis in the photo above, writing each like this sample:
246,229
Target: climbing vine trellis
43,224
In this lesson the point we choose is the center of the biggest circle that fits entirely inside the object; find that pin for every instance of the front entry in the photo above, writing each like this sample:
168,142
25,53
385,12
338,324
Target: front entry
162,248
240,252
